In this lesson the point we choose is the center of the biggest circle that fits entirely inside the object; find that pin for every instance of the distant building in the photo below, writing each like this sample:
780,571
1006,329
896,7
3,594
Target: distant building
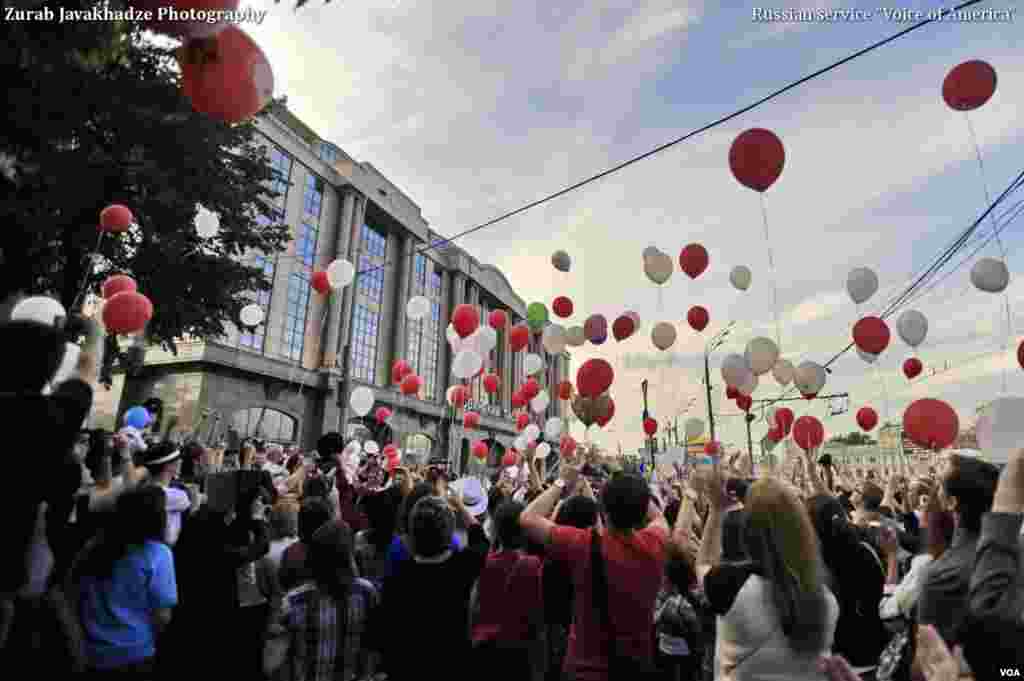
289,379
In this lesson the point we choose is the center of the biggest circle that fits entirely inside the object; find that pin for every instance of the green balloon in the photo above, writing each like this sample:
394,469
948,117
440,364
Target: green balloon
537,313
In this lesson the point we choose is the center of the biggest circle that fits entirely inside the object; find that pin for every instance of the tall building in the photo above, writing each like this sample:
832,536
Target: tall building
289,380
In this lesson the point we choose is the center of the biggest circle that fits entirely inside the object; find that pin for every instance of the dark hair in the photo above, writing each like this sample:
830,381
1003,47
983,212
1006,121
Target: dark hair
972,482
158,451
672,511
330,560
330,444
420,490
313,514
734,529
508,532
680,573
39,350
191,454
315,487
871,496
380,509
140,516
939,533
578,512
625,499
100,450
737,487
431,525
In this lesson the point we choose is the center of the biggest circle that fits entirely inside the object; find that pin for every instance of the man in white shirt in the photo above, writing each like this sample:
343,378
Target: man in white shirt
163,461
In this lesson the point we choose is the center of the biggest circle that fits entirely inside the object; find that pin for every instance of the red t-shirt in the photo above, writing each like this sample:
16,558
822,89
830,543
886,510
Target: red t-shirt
635,565
511,595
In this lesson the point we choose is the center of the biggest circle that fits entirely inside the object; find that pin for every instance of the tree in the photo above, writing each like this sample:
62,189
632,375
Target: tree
854,438
95,116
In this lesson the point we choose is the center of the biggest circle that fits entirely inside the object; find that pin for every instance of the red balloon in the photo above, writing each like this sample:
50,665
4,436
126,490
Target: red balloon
594,377
969,85
491,383
693,260
320,283
871,334
480,450
912,368
562,307
118,283
394,463
227,77
465,319
459,396
518,400
564,390
497,319
470,419
744,402
623,328
390,451
116,218
519,337
522,420
184,28
867,419
508,460
698,318
400,370
383,414
808,433
931,423
784,420
604,420
596,329
775,435
127,312
411,384
567,446
1020,354
530,388
650,427
711,448
731,392
756,158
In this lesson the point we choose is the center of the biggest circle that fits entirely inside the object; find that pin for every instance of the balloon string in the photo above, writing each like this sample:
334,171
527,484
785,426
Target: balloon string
771,269
995,232
880,377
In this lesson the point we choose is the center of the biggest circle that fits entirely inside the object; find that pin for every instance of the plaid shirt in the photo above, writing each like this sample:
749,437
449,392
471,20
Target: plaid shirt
323,648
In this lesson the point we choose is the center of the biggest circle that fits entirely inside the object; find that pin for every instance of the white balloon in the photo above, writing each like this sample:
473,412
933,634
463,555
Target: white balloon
749,385
361,400
532,364
554,339
340,273
740,277
650,252
553,428
486,338
809,378
694,428
575,337
867,356
467,363
520,443
663,335
42,309
542,451
540,402
371,447
1006,432
861,284
658,268
417,308
735,370
912,327
762,354
531,433
990,275
783,372
207,223
251,315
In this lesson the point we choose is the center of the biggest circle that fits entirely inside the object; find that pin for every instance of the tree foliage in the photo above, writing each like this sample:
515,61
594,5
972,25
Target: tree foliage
854,438
95,116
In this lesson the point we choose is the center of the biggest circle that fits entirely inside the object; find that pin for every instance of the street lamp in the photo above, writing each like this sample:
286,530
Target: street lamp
713,344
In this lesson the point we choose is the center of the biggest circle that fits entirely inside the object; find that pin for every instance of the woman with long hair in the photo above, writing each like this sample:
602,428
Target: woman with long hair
775,616
371,544
127,587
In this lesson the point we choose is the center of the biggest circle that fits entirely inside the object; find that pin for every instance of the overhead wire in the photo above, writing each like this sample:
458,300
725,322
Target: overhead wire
679,140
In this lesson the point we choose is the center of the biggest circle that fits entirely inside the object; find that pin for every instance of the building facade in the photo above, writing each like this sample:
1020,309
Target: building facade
289,379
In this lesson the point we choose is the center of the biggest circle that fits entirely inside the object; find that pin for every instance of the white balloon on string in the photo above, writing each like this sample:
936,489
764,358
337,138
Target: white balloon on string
467,363
532,364
207,223
553,428
990,275
749,385
576,336
782,372
361,400
810,378
486,338
735,369
521,443
251,315
371,447
912,327
417,308
740,277
861,284
761,355
553,339
340,274
42,309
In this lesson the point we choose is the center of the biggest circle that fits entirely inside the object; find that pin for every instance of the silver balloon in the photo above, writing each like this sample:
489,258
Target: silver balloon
861,284
561,261
990,275
912,327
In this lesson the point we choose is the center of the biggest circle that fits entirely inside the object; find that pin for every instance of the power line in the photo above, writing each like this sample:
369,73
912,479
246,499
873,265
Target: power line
679,140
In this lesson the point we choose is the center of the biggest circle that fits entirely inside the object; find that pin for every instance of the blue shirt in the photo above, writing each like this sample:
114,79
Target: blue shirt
117,612
398,553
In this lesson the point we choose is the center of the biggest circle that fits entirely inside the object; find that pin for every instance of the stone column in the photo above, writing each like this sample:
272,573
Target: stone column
348,308
342,241
444,351
401,299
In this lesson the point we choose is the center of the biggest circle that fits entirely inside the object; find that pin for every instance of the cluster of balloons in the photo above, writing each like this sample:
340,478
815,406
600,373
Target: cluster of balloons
781,423
593,403
741,372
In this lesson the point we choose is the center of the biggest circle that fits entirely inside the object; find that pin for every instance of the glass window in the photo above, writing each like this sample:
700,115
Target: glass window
264,423
369,300
424,335
281,164
255,338
295,315
327,152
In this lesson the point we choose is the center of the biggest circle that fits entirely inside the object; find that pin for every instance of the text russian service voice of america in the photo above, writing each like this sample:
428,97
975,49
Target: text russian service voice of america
769,15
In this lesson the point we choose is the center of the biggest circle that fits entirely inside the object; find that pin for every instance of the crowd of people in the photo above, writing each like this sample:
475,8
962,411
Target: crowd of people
139,555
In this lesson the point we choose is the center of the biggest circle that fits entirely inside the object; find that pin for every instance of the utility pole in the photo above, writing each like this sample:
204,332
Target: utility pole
749,418
707,385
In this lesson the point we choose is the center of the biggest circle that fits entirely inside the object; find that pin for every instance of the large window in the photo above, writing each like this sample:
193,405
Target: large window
265,424
255,338
281,164
369,301
327,152
422,349
297,308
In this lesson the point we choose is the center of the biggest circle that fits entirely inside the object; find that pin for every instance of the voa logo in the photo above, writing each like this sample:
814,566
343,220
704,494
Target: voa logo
1009,672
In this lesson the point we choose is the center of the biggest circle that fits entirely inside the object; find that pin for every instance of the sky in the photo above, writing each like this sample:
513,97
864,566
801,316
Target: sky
474,109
